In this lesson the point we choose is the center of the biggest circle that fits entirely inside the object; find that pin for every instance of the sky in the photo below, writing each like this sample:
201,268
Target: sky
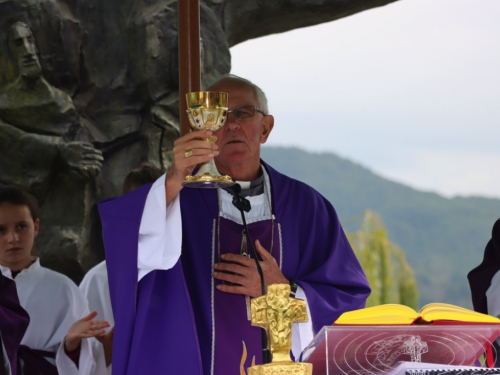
410,90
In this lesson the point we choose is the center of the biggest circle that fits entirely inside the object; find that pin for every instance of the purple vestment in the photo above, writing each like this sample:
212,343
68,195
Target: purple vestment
170,321
14,320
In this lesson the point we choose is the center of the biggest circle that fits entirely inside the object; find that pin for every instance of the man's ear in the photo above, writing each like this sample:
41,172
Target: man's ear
267,127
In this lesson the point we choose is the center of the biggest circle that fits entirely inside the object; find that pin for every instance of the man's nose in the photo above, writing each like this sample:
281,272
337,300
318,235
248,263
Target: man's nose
232,123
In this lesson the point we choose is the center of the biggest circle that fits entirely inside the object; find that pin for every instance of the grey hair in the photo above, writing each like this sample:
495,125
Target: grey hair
261,97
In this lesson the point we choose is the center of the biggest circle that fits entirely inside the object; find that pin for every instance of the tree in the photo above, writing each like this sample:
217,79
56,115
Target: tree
391,278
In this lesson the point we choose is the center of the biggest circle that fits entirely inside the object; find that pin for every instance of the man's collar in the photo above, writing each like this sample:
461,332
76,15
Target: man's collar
250,188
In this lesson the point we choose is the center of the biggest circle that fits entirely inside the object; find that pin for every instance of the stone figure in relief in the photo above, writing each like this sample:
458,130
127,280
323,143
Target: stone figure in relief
42,147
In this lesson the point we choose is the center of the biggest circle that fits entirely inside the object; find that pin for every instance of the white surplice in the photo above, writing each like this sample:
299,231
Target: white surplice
492,296
95,287
6,363
54,303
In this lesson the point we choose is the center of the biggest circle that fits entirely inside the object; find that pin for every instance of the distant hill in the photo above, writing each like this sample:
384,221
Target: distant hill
443,238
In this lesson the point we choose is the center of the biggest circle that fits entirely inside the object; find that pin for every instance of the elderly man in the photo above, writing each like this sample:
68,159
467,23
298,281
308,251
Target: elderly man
179,271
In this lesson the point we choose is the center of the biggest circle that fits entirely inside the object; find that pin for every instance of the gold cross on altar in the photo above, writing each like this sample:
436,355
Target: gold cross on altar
276,312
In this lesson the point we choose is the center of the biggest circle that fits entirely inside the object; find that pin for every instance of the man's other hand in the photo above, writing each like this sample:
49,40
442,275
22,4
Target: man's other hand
242,272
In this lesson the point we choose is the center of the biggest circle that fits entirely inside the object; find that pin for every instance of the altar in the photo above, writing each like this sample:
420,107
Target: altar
361,350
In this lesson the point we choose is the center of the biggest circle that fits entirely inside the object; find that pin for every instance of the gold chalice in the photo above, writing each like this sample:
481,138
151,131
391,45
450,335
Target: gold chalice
207,110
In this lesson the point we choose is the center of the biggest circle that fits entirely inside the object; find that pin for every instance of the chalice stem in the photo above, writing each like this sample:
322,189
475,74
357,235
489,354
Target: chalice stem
208,168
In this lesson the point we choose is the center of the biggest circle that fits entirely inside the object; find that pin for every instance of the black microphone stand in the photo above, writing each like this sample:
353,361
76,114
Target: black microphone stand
243,205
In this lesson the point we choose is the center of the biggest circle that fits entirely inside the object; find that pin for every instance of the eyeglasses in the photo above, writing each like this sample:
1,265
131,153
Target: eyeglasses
245,111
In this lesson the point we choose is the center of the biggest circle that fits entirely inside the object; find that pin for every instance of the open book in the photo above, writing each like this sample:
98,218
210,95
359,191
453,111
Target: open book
433,313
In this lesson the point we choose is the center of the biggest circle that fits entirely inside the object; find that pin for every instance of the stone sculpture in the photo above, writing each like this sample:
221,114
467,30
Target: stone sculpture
41,143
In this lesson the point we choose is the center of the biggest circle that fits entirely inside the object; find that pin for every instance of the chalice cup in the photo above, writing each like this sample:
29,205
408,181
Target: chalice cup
207,110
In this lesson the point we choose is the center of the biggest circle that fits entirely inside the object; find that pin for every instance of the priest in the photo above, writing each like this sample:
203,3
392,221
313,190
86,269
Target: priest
180,273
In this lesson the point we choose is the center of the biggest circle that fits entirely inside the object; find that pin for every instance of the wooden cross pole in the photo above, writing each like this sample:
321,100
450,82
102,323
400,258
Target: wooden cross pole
189,55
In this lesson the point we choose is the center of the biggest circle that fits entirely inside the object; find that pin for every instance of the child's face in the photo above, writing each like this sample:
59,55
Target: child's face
17,235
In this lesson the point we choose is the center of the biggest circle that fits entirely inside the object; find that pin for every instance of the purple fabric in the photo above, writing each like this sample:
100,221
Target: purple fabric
161,334
480,277
35,362
14,320
74,355
316,252
171,330
231,309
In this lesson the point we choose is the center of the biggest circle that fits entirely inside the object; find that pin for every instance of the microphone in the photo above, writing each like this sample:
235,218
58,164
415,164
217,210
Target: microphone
240,202
243,204
236,188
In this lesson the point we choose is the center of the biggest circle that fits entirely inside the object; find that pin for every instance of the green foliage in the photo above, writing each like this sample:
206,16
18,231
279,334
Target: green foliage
443,238
390,276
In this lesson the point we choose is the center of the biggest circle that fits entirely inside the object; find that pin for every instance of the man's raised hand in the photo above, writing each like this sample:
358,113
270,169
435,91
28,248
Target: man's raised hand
189,151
